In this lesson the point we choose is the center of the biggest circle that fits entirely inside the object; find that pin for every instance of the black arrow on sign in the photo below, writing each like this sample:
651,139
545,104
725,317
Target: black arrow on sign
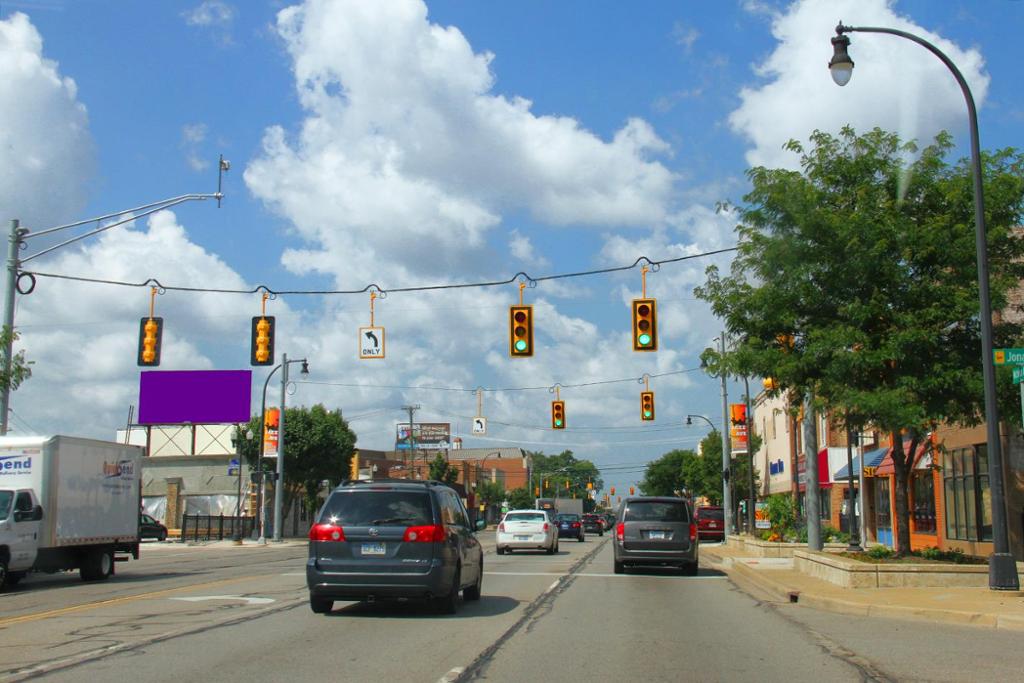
373,337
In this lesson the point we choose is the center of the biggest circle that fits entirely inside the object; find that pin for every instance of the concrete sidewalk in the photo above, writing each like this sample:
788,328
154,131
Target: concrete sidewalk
776,579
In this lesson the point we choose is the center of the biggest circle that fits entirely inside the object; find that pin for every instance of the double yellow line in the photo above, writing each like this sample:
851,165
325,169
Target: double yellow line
116,601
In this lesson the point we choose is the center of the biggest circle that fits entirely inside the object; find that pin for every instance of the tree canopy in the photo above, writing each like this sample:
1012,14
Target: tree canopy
441,470
555,471
856,280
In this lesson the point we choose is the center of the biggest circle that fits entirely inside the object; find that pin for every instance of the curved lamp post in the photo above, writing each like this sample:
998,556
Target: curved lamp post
279,477
726,462
1002,570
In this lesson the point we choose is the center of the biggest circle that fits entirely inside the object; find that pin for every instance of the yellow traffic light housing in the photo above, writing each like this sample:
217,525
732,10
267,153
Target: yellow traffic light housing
631,490
520,331
262,347
612,491
558,414
566,484
647,406
151,332
645,325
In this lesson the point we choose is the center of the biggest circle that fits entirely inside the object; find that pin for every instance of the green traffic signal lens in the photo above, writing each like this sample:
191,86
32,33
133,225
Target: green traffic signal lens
647,413
558,422
521,345
644,339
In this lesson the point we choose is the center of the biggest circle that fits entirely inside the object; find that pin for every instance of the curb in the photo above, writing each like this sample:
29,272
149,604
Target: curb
777,590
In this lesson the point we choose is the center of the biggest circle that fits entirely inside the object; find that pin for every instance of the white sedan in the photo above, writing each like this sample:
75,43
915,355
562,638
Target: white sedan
527,530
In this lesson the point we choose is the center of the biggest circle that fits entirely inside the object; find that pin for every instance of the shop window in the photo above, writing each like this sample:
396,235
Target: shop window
967,496
924,502
825,503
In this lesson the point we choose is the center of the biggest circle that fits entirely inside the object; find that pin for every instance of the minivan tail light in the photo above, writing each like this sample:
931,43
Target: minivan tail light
326,532
693,532
431,533
620,531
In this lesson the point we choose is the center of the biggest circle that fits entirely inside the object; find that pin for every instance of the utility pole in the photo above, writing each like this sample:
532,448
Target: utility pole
726,445
811,487
412,440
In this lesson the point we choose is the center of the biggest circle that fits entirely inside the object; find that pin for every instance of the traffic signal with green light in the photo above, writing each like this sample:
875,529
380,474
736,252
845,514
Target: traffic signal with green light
151,331
262,347
647,406
645,325
558,414
520,331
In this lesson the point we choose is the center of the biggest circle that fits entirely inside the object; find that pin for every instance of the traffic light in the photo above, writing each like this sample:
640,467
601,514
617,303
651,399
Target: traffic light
590,486
631,490
536,491
262,347
645,325
612,491
151,331
558,414
566,484
520,331
354,465
647,406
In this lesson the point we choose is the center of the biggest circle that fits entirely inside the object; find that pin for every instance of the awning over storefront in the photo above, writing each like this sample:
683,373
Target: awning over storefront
885,467
871,459
824,477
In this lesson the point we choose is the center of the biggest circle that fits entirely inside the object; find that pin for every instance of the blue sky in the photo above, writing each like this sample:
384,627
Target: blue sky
405,143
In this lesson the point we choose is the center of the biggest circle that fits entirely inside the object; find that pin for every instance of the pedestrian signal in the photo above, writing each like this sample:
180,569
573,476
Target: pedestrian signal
646,406
151,331
558,414
262,347
645,325
520,328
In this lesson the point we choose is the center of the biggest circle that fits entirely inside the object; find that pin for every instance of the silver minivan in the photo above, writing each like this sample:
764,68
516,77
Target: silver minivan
656,532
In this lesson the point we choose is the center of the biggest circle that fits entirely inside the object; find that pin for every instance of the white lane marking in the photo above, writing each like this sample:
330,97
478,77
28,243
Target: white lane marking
247,600
647,576
524,573
552,587
294,574
451,675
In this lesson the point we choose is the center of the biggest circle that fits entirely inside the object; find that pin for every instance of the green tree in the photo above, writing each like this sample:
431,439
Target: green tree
318,448
520,499
702,474
441,470
20,368
556,470
664,476
856,282
490,492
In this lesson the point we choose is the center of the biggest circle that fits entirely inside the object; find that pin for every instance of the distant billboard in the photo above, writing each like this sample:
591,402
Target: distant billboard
194,396
427,436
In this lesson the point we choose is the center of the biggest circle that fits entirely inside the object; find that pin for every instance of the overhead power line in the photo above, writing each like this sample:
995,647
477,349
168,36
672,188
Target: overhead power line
520,276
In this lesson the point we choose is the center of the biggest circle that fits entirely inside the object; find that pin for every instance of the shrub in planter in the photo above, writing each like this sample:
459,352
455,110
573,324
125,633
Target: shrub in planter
879,552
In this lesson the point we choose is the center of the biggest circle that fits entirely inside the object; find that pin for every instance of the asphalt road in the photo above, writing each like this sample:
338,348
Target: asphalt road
241,614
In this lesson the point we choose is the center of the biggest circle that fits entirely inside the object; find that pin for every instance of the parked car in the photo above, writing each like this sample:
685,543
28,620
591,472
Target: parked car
593,523
710,522
527,530
150,528
394,538
656,531
570,526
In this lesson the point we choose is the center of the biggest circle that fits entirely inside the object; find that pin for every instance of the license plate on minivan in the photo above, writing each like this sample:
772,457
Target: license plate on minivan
373,549
656,535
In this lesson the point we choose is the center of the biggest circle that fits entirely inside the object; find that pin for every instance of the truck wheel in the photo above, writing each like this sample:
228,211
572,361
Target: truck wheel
14,577
4,576
98,566
321,605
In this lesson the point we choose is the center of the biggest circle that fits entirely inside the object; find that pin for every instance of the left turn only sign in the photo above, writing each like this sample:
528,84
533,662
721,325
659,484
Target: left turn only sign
371,342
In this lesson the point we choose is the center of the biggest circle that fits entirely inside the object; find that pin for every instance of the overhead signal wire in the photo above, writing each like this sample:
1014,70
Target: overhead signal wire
154,282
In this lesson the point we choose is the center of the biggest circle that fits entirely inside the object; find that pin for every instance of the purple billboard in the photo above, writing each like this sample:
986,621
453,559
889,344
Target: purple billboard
195,396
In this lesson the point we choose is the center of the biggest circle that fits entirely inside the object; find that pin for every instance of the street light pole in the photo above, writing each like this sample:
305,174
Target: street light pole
1002,569
726,446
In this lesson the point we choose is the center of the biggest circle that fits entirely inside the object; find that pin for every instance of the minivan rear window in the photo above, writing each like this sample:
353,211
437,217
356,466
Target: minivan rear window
378,508
655,511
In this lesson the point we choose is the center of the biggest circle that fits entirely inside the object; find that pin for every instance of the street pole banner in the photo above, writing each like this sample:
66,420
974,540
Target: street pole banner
271,421
738,426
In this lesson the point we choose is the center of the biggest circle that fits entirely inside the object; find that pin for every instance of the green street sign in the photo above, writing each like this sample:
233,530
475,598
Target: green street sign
1008,356
1018,374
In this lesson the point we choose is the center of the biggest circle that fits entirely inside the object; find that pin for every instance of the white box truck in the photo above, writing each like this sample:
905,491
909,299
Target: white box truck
67,503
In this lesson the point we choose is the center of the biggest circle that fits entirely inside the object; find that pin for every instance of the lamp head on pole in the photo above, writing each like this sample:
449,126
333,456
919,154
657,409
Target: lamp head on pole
305,368
840,65
689,420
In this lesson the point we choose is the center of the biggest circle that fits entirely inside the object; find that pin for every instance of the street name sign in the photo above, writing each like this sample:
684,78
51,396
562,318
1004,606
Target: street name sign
371,342
1008,356
1018,374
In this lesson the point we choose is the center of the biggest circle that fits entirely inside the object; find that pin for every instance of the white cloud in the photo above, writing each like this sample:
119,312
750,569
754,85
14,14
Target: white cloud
46,151
193,135
522,248
897,85
684,35
210,13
